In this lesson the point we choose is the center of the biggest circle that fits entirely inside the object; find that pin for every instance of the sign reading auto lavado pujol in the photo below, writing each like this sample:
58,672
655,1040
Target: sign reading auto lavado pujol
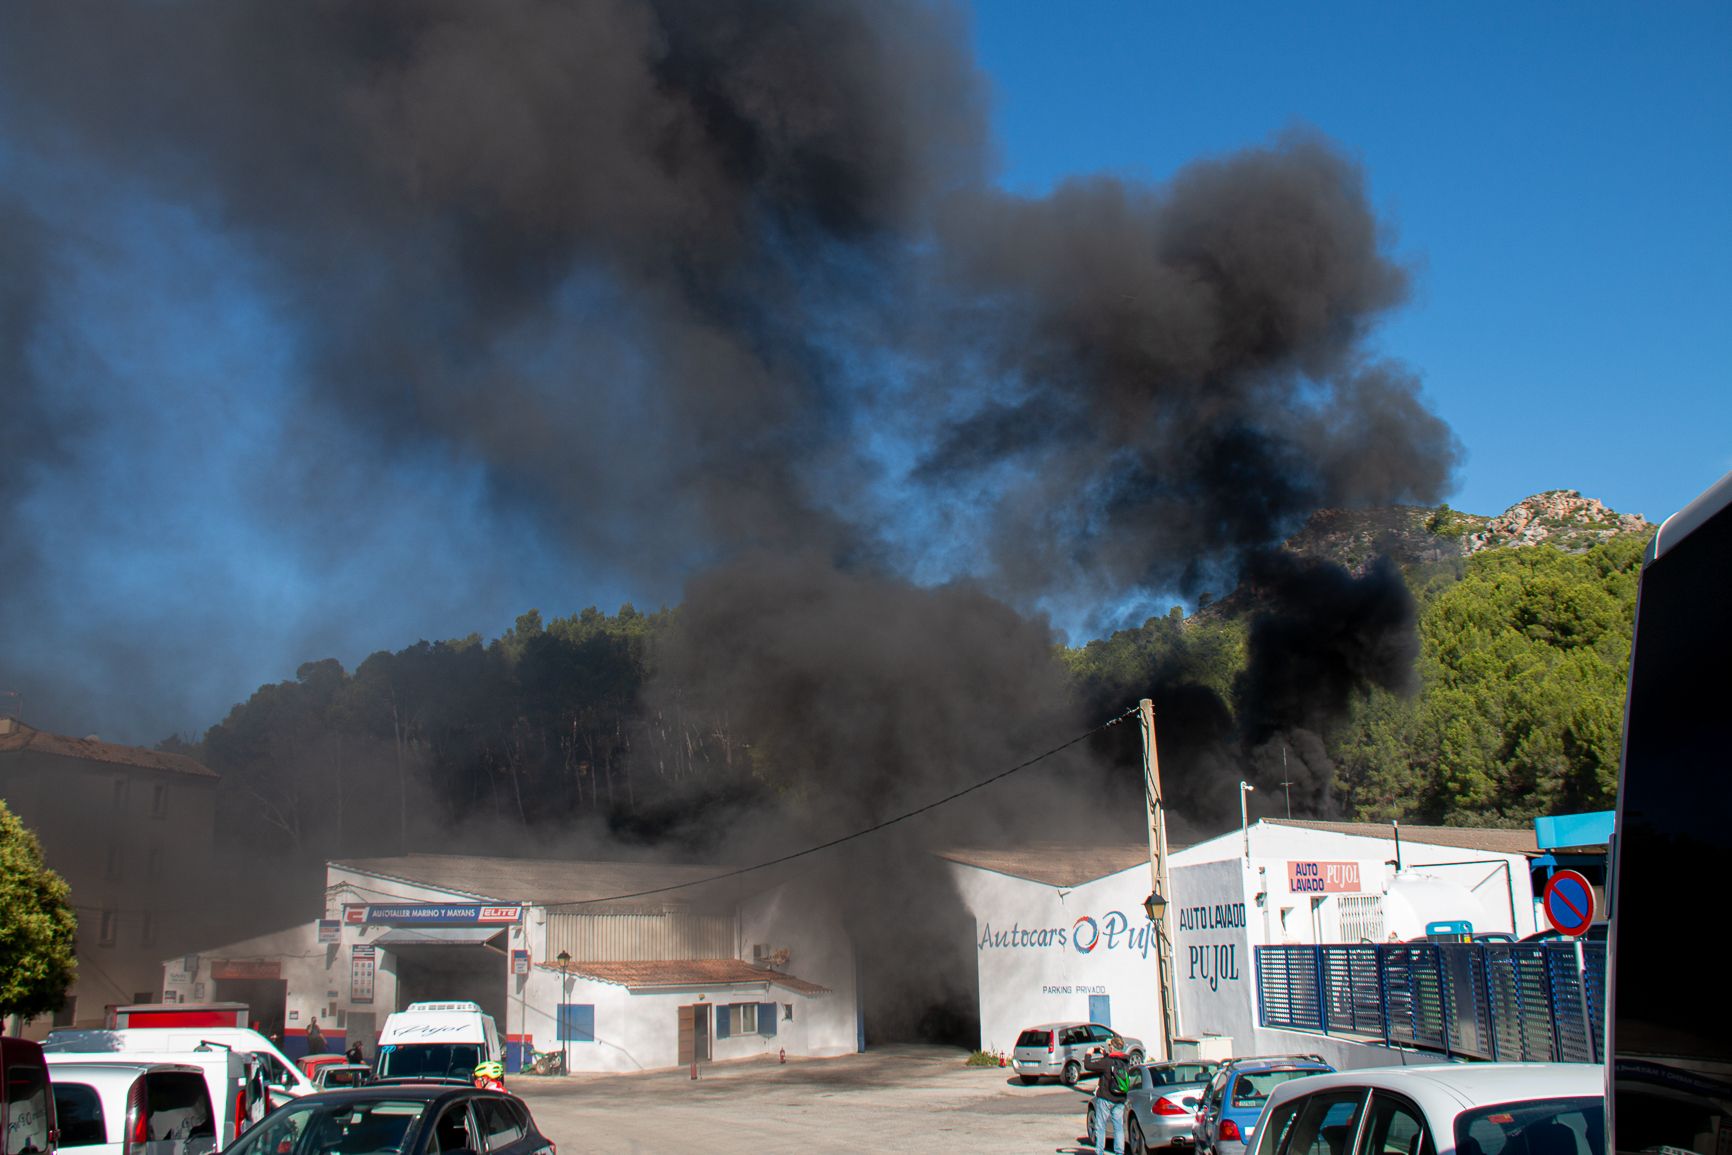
1323,877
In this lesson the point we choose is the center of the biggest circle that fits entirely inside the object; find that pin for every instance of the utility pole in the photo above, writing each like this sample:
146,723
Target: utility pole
1285,783
1244,817
1161,892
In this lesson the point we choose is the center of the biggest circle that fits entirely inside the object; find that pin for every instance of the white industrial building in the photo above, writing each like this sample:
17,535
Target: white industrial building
1062,935
725,970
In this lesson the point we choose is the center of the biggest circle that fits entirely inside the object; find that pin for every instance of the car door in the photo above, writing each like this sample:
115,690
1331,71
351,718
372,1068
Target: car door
1324,1123
504,1131
1395,1126
454,1129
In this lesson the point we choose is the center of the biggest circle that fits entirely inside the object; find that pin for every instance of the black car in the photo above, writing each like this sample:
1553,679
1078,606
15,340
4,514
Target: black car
399,1119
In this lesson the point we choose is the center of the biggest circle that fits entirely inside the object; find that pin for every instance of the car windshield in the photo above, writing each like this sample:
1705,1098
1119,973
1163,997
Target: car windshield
1032,1038
1178,1074
348,1127
429,1060
1574,1126
1251,1090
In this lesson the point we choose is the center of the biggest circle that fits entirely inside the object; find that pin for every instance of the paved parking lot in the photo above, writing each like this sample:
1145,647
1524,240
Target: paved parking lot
899,1098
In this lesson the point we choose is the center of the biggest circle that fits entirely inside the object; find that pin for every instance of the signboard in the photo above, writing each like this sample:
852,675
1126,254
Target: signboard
431,914
246,969
1323,877
330,930
362,960
519,962
1569,902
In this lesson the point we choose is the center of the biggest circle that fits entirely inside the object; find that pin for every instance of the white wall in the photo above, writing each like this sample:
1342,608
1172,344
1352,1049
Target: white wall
1043,950
640,1032
795,916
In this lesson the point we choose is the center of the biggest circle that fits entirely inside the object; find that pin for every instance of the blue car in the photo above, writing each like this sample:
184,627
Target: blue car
1227,1120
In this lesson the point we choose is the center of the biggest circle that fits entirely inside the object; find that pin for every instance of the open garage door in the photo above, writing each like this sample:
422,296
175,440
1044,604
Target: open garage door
450,964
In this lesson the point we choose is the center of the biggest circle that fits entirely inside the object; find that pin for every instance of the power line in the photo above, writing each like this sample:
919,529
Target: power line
903,817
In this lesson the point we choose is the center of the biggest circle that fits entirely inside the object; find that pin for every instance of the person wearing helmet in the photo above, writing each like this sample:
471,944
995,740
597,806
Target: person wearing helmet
490,1076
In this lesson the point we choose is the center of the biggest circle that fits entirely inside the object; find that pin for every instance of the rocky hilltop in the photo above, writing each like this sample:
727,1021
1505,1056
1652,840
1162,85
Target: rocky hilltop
1415,534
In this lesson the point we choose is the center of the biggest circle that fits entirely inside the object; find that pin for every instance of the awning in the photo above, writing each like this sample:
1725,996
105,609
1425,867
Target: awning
402,936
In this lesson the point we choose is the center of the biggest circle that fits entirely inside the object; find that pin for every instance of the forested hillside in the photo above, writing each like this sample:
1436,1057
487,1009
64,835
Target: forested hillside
1513,710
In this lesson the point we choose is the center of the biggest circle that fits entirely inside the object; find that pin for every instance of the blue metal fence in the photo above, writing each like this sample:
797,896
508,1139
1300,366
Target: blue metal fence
1499,1001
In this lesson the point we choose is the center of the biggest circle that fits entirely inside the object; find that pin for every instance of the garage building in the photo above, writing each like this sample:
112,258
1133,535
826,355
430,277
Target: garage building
690,971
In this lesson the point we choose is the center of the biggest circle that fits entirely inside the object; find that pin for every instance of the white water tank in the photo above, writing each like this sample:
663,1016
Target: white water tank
1414,899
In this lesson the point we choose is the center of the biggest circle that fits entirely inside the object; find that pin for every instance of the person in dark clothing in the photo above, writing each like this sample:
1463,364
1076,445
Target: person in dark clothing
315,1038
353,1054
1112,1089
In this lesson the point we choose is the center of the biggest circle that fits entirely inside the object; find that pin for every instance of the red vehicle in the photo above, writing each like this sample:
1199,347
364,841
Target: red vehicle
178,1015
310,1064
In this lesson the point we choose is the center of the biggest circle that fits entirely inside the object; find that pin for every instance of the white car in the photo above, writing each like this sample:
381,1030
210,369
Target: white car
117,1108
1453,1109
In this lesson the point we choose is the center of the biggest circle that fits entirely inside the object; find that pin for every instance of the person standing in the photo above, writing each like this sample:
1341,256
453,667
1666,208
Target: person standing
315,1038
1112,1090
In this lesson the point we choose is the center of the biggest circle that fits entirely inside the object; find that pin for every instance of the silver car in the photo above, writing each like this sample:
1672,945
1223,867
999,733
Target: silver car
1063,1051
1163,1101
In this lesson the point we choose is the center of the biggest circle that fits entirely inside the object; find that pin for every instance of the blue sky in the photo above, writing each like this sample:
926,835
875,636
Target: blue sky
199,509
1558,176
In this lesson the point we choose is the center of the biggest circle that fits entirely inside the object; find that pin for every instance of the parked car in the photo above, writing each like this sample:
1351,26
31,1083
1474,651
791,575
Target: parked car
1596,932
234,1080
26,1106
1162,1104
398,1119
1227,1119
333,1075
1464,1108
105,1107
1062,1050
284,1077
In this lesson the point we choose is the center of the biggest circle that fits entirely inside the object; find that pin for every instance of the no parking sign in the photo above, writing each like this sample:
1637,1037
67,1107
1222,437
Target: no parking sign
1569,902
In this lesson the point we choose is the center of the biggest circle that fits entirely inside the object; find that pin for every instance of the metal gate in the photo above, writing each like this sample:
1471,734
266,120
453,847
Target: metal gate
1527,1002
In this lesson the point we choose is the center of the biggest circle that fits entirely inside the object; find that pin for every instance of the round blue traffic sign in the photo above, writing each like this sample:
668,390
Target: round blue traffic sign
1569,902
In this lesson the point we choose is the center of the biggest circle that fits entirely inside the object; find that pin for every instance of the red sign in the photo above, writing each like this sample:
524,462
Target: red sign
1323,877
1569,902
246,969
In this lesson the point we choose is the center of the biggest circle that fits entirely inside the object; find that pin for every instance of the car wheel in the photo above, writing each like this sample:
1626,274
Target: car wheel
1070,1074
1136,1058
1134,1136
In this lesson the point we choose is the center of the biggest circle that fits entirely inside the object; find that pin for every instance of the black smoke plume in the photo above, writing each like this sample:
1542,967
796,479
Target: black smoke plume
666,294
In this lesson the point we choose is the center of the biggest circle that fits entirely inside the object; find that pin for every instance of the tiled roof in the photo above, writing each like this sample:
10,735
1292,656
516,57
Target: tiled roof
703,972
16,737
1054,863
1466,837
547,881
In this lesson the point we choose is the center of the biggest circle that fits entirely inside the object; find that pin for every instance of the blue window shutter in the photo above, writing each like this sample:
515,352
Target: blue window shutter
767,1019
577,1022
721,1021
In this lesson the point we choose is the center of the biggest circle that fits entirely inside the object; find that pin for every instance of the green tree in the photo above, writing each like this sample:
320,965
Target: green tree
38,930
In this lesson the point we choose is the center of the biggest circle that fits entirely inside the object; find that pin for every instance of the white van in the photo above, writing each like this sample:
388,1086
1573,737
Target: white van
286,1080
436,1042
131,1108
234,1080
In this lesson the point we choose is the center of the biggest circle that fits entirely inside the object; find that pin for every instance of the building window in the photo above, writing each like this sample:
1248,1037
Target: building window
119,794
787,1012
67,1015
1361,917
114,860
149,928
577,1022
158,801
105,932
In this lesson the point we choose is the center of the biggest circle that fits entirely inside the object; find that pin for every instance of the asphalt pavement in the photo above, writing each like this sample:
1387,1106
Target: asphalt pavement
894,1098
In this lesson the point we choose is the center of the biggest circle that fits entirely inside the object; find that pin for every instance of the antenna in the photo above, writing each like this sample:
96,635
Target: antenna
1286,783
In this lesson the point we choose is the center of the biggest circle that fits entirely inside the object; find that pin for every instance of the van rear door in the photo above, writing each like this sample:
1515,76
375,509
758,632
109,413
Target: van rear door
26,1102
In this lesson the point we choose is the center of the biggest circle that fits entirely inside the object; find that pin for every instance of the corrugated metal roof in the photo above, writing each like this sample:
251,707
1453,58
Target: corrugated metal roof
1054,863
545,881
1466,837
703,972
19,738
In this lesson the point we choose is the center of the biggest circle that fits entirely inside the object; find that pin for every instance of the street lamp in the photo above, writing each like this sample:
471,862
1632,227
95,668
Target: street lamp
1244,818
564,1015
1155,906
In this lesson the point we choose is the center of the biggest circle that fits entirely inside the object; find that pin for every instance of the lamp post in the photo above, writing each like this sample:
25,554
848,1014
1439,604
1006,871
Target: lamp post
564,1000
1156,905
